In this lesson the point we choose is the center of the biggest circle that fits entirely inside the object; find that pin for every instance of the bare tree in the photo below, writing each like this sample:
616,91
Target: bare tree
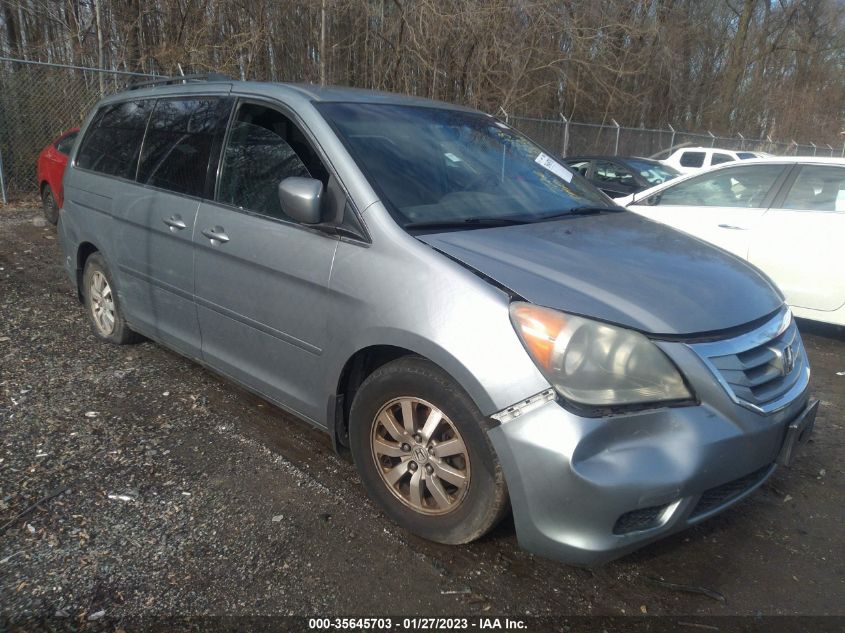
760,66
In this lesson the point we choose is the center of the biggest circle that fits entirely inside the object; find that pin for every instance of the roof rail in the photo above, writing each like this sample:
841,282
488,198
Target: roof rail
163,81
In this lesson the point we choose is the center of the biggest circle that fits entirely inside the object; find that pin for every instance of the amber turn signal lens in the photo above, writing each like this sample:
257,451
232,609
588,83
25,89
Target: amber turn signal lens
540,328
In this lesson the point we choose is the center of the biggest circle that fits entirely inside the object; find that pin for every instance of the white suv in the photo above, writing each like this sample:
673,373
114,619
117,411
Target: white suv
691,159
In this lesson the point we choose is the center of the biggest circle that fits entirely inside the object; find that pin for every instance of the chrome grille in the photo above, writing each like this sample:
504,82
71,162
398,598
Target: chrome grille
763,370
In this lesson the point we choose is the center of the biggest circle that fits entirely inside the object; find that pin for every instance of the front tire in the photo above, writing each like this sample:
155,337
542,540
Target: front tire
421,448
49,205
102,303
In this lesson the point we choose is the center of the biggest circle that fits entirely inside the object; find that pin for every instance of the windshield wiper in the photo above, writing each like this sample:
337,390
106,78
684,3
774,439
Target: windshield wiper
585,210
464,223
481,222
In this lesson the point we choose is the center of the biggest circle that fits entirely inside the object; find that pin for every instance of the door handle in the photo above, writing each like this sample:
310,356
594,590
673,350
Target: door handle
175,223
216,234
732,227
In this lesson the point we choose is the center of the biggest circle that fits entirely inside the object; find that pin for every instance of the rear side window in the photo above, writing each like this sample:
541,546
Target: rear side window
692,159
178,144
718,159
113,140
654,173
65,144
608,172
817,188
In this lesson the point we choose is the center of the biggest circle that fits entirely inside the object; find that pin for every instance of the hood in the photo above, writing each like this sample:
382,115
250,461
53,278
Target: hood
619,268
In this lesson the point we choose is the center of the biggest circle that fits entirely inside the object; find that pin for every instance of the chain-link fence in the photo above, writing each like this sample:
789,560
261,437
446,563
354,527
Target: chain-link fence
569,138
39,100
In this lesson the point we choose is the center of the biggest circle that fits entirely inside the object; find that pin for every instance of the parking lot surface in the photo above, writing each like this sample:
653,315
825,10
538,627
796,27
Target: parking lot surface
177,493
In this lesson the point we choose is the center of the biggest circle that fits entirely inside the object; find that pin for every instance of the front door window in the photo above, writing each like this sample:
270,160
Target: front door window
742,187
264,148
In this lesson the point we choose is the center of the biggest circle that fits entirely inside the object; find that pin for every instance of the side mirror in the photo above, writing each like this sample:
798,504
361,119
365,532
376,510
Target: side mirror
301,199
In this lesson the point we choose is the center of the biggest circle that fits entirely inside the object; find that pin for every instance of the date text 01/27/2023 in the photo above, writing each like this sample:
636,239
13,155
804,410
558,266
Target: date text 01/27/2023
417,624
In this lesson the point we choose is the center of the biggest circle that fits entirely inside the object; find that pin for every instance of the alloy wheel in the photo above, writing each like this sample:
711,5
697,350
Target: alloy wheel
420,456
102,303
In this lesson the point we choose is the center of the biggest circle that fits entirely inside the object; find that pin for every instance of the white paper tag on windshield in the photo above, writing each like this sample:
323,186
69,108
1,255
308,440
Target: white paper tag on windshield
547,162
452,157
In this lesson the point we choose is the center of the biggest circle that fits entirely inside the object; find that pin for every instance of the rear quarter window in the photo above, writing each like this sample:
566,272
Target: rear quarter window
112,142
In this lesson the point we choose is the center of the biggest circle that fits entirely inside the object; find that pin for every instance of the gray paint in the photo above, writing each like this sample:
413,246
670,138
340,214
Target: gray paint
262,304
301,199
621,268
281,308
568,488
156,262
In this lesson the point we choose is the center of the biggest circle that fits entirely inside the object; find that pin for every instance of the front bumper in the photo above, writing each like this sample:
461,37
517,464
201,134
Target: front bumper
587,490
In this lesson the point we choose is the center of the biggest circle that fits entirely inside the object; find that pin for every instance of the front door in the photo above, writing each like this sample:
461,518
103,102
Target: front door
722,207
261,278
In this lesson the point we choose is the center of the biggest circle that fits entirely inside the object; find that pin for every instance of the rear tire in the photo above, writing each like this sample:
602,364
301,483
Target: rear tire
103,305
49,205
421,448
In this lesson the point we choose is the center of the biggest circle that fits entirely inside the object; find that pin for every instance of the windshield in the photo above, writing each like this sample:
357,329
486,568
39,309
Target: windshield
746,155
655,173
433,165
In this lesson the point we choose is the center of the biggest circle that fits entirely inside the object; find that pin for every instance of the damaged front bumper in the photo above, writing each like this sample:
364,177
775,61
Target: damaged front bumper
585,490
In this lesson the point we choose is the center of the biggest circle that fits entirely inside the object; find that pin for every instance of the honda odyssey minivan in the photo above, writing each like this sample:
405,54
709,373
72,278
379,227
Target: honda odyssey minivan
480,327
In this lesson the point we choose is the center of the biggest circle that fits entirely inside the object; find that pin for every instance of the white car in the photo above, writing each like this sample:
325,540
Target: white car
784,215
689,160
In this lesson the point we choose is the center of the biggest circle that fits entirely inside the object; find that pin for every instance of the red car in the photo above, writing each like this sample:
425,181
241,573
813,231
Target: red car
51,169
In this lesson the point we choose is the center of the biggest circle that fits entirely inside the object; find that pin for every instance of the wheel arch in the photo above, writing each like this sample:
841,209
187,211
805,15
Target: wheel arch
83,252
365,361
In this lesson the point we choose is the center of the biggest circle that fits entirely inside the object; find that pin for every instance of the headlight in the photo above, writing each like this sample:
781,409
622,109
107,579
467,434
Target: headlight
594,363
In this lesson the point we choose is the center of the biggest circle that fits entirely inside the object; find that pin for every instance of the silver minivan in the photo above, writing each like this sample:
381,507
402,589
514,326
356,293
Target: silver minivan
481,328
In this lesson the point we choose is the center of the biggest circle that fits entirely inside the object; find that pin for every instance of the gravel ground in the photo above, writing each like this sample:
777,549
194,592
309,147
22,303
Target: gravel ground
184,495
